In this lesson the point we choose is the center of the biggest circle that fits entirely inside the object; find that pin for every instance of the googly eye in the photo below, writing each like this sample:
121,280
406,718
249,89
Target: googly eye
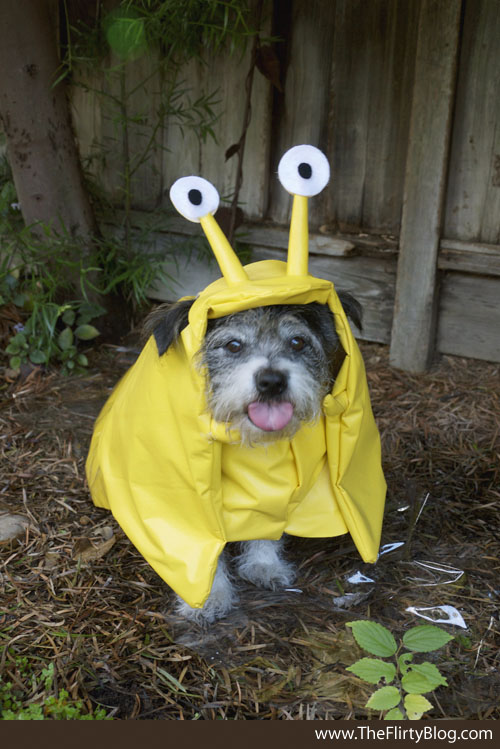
304,170
194,197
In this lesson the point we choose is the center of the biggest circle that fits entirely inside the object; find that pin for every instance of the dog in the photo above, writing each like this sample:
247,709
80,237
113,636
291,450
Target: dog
267,371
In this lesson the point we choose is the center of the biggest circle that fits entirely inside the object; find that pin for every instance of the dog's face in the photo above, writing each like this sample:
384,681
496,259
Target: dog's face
267,369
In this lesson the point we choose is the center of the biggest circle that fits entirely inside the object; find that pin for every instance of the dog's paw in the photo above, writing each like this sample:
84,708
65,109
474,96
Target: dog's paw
217,606
219,603
261,563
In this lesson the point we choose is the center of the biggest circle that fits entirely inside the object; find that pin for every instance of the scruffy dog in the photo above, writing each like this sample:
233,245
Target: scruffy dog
267,372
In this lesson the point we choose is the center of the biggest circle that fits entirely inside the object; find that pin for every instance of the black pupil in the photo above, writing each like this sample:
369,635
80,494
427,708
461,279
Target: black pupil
195,197
305,170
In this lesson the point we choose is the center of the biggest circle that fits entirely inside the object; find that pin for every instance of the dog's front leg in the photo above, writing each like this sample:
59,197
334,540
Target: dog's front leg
220,601
263,564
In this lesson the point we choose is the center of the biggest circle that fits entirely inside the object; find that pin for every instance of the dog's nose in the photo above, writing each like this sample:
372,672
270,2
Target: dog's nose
270,382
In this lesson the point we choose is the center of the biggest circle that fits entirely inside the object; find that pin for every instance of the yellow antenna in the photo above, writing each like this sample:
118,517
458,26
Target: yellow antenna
298,240
197,200
228,261
303,171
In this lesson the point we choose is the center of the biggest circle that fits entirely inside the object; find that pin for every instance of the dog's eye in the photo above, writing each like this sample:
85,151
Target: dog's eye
297,343
234,346
304,170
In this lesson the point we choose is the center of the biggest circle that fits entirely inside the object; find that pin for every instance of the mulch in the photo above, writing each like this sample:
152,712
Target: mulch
75,593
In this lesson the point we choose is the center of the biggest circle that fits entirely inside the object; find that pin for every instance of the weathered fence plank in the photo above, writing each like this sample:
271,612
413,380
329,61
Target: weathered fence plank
413,330
482,259
224,76
372,77
469,316
473,201
303,111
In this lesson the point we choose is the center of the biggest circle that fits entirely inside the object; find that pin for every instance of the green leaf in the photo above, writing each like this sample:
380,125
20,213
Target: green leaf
38,357
82,360
90,310
374,638
394,714
384,698
86,332
19,300
373,670
415,705
15,362
69,317
425,638
415,683
403,661
12,348
422,677
125,35
65,339
431,673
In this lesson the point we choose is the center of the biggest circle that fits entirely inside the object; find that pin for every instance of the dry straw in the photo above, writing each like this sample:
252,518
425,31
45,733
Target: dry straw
75,593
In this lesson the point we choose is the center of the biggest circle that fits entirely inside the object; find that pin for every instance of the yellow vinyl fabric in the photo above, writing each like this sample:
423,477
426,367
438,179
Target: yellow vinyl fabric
180,484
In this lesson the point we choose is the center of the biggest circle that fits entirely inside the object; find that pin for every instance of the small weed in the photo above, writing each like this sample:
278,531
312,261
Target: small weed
51,282
44,706
405,700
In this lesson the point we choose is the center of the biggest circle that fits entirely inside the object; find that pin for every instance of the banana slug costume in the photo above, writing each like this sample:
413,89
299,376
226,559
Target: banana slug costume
180,484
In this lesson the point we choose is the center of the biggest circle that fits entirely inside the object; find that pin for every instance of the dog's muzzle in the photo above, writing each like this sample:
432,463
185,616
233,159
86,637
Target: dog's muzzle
268,414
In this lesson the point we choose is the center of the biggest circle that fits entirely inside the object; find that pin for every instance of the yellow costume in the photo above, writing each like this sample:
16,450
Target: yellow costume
180,484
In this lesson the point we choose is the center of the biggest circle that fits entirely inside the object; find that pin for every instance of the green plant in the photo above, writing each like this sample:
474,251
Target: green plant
405,699
39,342
51,281
59,706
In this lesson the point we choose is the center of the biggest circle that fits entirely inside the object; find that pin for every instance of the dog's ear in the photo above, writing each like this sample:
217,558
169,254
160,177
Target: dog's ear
352,308
166,323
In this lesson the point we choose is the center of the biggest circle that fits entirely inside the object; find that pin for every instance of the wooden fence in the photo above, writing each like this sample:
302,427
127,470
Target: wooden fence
404,98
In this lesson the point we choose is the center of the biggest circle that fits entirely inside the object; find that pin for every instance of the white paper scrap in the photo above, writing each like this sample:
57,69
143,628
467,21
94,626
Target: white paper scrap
453,616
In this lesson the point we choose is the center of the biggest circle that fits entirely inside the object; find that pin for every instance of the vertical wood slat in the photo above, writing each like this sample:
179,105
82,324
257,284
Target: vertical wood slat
224,75
303,116
128,100
372,74
413,328
473,201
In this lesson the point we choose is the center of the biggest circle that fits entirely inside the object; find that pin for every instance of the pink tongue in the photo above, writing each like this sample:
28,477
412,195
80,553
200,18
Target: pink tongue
270,417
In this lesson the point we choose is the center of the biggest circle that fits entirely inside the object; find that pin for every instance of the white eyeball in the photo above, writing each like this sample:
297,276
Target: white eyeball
304,170
194,197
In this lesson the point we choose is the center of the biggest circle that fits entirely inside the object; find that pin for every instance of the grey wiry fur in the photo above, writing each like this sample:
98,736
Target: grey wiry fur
221,600
268,355
265,367
263,564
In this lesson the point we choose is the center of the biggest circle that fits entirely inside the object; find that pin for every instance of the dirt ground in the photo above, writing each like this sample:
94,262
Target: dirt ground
75,593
